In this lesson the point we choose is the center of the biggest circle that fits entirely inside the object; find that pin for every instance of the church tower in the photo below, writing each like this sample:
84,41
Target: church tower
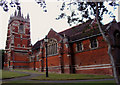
18,43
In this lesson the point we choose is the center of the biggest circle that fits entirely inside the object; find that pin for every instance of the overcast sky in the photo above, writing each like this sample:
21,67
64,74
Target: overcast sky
40,22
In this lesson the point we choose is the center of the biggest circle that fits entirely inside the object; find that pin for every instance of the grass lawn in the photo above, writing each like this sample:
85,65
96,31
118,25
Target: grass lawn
10,74
64,76
59,77
45,83
30,71
70,77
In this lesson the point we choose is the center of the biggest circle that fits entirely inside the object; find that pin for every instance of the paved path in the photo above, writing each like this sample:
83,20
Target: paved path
27,78
24,77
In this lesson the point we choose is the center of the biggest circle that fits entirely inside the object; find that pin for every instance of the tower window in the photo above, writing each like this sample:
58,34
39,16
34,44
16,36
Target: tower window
18,45
21,28
23,46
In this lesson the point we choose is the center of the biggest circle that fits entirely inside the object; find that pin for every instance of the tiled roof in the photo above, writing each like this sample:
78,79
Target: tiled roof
84,34
76,29
81,31
84,30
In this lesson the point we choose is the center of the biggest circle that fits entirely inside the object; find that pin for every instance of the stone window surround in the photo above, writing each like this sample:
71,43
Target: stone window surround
91,43
82,48
52,47
18,45
23,28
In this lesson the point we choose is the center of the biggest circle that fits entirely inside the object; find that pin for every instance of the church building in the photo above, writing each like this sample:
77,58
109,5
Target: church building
80,49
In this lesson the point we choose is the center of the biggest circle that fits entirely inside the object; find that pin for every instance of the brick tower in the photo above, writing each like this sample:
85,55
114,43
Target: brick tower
18,43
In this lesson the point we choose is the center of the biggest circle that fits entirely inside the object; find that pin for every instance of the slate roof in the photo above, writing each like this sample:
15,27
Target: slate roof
76,29
81,31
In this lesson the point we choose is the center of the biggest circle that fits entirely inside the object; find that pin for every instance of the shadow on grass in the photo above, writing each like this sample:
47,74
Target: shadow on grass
71,77
58,84
47,83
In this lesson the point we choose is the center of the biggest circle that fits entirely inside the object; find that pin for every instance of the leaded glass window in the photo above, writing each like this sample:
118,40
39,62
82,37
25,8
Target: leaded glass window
52,47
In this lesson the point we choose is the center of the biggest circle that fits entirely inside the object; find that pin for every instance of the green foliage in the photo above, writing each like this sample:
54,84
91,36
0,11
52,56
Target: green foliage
14,3
84,11
42,4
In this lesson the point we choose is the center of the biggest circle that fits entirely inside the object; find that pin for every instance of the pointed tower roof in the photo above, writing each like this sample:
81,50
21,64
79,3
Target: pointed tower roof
19,16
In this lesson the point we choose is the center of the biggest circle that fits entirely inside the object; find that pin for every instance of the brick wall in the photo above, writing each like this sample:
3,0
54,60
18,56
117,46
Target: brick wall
86,59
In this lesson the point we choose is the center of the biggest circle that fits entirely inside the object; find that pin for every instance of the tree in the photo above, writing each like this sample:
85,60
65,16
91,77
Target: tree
2,59
116,77
3,54
16,4
88,9
5,4
84,11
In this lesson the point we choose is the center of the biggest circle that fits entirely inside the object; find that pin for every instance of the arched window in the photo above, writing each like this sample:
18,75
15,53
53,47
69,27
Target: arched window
52,47
21,28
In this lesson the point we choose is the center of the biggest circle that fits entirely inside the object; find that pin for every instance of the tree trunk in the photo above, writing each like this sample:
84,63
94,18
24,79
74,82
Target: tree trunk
109,47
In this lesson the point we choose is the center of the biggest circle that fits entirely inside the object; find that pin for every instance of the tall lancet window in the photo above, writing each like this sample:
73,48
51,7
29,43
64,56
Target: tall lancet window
21,28
52,47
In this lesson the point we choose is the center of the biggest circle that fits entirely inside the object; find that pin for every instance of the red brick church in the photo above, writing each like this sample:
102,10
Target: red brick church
80,49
